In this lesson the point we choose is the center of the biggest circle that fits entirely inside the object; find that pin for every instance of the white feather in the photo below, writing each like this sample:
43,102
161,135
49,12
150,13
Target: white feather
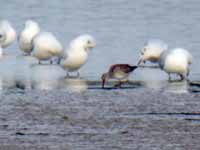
46,46
31,29
152,50
9,33
176,61
77,53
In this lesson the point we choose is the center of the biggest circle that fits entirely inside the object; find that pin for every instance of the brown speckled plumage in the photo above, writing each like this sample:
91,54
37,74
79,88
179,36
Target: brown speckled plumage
119,72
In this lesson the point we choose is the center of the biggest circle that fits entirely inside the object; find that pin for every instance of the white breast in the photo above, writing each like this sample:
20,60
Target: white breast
74,60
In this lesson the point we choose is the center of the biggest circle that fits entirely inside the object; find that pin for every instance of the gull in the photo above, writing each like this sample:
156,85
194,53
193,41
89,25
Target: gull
7,34
46,46
152,50
31,29
176,61
76,55
1,51
119,72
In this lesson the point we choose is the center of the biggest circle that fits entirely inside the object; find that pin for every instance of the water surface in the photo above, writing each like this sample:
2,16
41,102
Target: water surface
121,28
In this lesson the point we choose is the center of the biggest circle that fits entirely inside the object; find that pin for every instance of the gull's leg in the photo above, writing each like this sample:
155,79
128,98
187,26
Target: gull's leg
67,75
169,76
40,62
78,74
182,77
187,75
51,61
188,72
58,60
26,54
120,83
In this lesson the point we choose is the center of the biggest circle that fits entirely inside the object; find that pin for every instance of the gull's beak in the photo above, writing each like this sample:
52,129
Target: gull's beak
92,45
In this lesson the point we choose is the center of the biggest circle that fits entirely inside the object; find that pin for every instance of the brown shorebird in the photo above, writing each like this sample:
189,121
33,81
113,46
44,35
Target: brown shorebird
119,72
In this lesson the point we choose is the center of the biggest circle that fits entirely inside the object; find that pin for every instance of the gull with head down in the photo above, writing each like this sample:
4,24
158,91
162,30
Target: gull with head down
25,38
46,46
152,51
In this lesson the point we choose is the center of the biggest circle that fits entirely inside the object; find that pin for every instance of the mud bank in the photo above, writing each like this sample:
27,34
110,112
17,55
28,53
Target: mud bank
99,119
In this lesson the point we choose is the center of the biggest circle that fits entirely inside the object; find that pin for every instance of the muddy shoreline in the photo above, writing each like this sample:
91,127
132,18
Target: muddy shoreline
99,119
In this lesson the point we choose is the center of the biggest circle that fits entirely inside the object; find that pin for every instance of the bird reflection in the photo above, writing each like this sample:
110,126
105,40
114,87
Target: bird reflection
74,84
45,77
177,86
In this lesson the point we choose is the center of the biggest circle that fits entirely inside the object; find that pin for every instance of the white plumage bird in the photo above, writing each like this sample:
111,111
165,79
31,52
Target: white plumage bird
76,55
26,37
46,46
7,34
176,61
152,50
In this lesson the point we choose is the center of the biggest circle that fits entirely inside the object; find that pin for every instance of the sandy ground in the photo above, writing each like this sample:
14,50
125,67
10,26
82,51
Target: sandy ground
99,119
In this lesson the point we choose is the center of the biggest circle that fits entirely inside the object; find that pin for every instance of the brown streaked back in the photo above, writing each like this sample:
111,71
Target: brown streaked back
126,68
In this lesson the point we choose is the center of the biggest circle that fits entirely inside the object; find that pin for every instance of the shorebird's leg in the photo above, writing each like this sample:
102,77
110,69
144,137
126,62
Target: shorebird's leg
118,85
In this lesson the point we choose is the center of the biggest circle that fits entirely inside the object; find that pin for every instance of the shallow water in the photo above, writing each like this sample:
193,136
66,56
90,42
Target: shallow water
120,28
152,118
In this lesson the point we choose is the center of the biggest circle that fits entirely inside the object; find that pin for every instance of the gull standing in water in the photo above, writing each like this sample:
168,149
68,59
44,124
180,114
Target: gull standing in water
26,37
176,61
46,46
119,72
76,55
152,50
7,34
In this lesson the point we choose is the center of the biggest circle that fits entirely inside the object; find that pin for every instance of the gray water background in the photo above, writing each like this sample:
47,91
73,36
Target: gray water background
120,27
100,119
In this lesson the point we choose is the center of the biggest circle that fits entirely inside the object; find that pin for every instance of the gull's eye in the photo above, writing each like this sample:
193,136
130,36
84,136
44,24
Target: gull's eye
88,42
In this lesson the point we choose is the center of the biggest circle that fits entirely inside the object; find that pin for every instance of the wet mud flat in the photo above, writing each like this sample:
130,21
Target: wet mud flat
99,119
